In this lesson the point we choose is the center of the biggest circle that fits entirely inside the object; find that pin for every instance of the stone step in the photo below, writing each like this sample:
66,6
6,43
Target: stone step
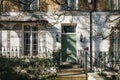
71,70
72,77
67,74
68,71
67,65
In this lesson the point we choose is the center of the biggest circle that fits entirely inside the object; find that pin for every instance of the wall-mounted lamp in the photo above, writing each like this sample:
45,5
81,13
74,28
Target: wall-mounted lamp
81,38
57,37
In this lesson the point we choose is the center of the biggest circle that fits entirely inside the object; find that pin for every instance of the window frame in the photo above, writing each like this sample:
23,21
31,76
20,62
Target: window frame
30,51
34,8
114,5
69,26
67,5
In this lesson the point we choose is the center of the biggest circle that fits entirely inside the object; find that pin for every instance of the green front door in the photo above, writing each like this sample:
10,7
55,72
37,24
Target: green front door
68,47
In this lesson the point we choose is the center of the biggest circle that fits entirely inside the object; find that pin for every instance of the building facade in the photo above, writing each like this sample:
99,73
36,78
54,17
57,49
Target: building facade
38,27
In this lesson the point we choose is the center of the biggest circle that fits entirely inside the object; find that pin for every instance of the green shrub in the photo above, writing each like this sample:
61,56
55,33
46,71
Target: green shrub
24,68
56,57
102,74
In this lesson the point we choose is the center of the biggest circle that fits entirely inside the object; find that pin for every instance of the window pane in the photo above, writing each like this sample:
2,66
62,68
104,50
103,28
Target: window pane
27,47
27,28
115,4
34,28
35,47
26,52
30,40
30,5
27,35
34,35
27,41
64,7
68,29
35,52
35,41
72,4
69,5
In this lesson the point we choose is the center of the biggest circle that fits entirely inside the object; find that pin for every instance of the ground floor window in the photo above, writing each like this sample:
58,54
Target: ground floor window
25,39
30,40
10,40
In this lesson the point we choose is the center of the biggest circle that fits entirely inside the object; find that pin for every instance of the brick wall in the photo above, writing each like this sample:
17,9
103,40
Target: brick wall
102,5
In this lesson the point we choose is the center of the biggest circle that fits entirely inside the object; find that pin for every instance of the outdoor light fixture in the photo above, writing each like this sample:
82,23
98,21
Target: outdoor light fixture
57,37
81,38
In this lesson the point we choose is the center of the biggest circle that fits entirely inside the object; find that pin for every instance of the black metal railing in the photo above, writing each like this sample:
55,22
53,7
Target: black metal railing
101,60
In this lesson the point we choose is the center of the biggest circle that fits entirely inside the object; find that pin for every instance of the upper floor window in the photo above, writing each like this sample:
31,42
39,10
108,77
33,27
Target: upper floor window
28,5
114,4
69,5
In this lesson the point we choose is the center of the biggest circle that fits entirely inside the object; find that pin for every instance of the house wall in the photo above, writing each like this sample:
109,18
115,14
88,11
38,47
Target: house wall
52,5
102,25
82,20
56,25
100,22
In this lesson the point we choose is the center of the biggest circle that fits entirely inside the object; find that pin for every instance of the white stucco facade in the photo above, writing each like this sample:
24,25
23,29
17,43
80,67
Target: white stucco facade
100,23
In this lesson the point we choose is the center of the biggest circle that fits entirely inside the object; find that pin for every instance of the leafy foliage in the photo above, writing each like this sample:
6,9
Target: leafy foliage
56,57
25,68
108,76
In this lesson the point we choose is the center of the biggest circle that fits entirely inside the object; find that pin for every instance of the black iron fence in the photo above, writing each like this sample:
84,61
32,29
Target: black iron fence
101,60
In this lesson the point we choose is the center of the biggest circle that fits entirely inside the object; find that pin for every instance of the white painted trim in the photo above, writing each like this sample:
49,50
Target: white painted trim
68,33
77,4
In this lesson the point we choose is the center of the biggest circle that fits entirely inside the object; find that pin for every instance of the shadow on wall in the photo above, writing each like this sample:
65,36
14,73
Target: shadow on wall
54,36
100,30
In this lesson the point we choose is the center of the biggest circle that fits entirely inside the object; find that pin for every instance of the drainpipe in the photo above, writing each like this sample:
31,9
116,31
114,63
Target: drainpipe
91,41
94,2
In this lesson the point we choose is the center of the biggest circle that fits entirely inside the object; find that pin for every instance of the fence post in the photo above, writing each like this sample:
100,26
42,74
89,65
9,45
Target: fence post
86,52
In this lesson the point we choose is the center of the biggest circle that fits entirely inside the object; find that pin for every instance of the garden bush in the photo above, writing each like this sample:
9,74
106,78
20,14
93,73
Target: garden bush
25,68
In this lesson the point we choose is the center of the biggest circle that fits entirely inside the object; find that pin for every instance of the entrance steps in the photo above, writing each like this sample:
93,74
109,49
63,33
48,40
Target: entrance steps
68,71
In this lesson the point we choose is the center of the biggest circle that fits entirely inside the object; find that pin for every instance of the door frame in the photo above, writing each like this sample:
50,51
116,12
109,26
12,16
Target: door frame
74,32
